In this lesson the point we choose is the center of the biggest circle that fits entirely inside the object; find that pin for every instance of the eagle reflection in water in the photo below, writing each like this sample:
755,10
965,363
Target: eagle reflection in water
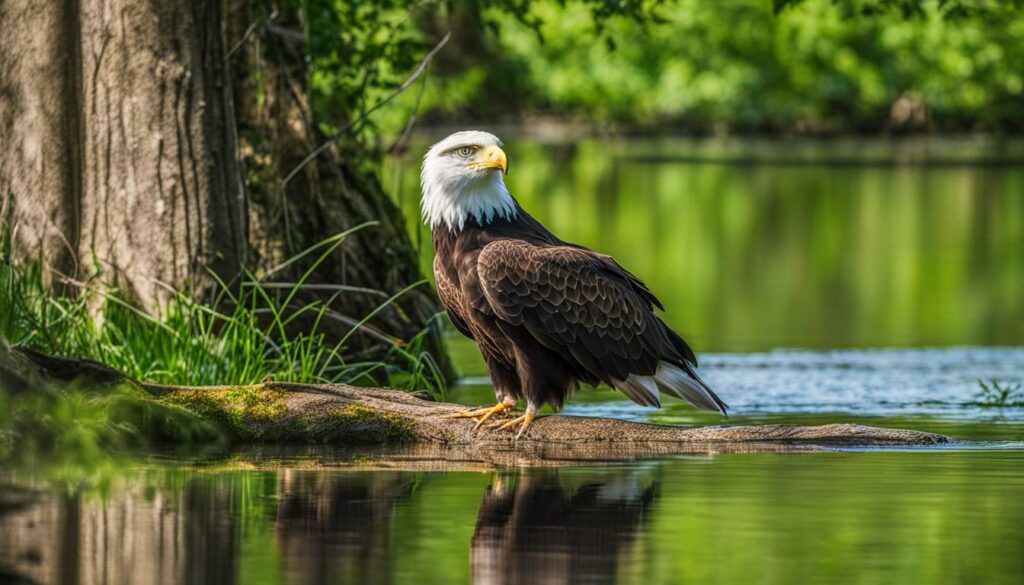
541,528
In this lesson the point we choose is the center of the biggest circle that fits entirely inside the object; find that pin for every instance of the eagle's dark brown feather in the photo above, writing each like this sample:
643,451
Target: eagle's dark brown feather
547,314
576,304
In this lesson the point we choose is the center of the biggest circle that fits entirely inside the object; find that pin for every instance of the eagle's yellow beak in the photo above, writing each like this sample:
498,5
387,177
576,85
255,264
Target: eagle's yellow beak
491,157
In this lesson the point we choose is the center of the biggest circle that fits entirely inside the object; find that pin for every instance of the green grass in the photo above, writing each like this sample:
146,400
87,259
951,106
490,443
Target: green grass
246,333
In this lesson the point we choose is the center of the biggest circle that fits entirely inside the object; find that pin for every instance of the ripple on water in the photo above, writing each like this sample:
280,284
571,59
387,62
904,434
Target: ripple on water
935,386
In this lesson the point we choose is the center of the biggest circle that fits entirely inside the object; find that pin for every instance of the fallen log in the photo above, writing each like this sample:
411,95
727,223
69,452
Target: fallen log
347,415
337,414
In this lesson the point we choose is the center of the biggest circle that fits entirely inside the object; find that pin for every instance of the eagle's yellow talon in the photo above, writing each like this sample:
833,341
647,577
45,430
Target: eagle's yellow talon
523,420
499,407
468,413
482,413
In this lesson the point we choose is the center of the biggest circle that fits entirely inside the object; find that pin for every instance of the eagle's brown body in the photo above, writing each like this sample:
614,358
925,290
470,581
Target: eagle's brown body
547,314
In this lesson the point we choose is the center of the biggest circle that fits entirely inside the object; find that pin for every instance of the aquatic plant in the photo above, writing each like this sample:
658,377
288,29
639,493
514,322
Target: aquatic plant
996,394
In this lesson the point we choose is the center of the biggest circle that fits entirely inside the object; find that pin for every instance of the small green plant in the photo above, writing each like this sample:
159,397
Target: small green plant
247,332
996,394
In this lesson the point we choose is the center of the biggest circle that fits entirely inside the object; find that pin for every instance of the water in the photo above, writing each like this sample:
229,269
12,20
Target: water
839,517
897,267
756,245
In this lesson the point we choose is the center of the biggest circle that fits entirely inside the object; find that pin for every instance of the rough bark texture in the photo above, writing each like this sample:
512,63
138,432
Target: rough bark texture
120,145
40,160
162,198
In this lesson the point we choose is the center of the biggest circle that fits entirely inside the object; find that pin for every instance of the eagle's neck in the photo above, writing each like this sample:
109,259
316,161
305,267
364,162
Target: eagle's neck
520,225
452,203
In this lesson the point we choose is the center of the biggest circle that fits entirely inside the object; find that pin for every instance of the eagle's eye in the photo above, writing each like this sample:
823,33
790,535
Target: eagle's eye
466,151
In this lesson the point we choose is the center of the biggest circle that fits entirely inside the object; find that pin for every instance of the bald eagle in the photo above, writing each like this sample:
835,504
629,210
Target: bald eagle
546,314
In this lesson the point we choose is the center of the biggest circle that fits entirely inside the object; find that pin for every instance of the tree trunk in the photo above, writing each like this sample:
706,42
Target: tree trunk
121,122
121,143
40,129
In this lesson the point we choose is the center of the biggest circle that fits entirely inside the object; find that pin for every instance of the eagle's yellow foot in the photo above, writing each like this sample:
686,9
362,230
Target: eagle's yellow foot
524,420
484,412
499,407
469,413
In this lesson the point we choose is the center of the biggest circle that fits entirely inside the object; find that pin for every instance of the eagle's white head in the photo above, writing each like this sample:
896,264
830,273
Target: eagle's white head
462,177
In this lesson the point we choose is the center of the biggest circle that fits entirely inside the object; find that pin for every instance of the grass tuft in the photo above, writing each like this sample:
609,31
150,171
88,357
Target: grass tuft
998,395
246,333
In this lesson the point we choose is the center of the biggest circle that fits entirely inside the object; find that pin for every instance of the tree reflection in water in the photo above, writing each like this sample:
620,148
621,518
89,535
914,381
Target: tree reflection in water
338,525
532,526
538,528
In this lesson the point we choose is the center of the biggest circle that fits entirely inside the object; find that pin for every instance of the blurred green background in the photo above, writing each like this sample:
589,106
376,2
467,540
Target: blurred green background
758,244
813,66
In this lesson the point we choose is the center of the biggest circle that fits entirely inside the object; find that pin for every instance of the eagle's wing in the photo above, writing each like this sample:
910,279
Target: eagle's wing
595,314
451,299
459,307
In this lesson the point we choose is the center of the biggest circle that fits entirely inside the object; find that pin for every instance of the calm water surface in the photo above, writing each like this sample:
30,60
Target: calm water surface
839,249
760,245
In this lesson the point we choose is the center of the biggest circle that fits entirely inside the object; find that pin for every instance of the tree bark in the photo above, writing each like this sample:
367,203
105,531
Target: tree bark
162,199
122,143
40,128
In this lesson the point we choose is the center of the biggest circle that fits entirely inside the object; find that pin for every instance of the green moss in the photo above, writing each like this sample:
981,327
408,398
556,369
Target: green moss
355,424
246,412
256,413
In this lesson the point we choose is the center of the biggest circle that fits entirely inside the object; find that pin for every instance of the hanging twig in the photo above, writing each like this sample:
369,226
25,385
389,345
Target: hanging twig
248,33
400,141
348,127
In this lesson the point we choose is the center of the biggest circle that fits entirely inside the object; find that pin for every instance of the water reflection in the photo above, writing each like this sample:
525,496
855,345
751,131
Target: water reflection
913,517
332,526
135,536
537,529
327,528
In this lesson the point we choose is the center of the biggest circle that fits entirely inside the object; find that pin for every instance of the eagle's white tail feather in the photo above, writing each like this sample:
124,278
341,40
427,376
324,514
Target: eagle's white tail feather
677,382
641,389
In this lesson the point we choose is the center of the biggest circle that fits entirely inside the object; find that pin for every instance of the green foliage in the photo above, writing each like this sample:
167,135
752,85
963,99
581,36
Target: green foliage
815,66
357,53
995,394
743,65
952,9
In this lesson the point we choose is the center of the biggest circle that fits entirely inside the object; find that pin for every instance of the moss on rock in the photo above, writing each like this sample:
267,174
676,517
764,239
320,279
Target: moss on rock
258,413
356,424
246,412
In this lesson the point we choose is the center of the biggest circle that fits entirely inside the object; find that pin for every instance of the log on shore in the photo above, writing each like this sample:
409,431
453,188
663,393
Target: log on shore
347,415
341,415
